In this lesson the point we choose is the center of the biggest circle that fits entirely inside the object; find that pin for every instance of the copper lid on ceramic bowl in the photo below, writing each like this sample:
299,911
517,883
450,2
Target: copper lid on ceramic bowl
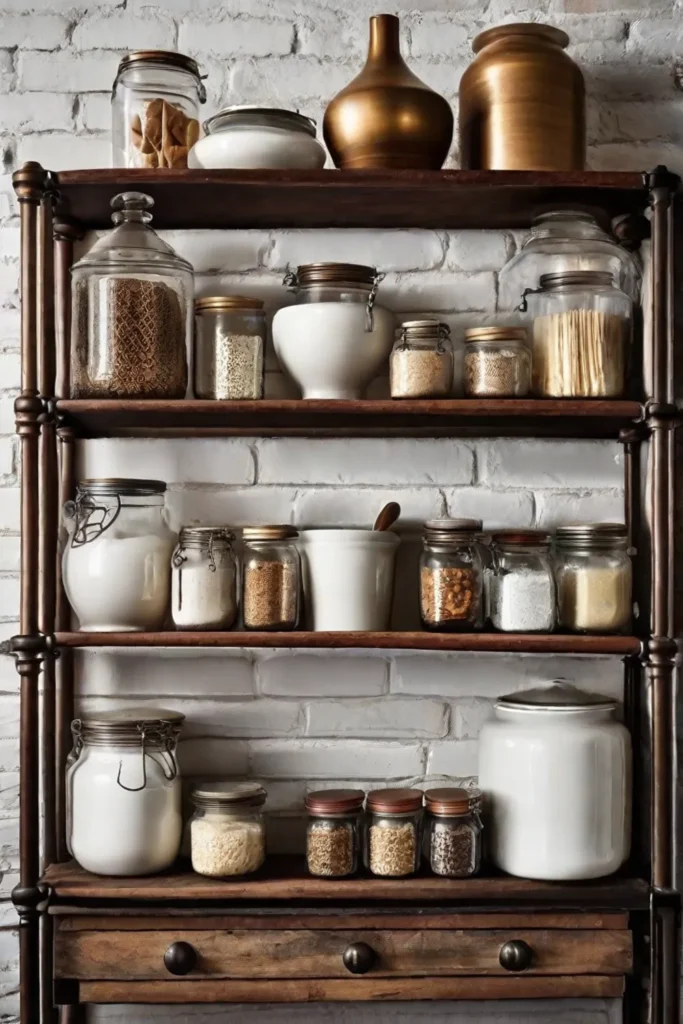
449,801
334,801
395,801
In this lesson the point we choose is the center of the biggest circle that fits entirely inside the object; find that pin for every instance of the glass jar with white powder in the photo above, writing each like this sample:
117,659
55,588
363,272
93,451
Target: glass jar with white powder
227,829
204,579
117,560
520,581
123,791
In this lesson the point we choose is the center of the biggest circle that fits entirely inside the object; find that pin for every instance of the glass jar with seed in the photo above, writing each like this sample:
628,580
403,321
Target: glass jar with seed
451,576
333,832
453,832
229,347
271,578
394,832
421,364
497,362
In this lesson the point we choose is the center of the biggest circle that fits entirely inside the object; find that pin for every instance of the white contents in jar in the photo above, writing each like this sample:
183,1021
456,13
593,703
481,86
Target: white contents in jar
223,846
522,600
119,583
238,373
595,598
420,373
202,599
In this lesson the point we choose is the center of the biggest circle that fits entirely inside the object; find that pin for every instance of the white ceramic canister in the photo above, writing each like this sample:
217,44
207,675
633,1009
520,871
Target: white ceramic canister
555,773
258,137
117,560
335,338
348,578
123,791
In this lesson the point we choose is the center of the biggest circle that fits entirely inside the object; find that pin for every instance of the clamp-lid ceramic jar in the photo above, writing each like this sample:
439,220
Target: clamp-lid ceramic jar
555,773
258,137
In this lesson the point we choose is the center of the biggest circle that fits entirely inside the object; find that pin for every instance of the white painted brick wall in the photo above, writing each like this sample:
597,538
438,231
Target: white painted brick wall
300,720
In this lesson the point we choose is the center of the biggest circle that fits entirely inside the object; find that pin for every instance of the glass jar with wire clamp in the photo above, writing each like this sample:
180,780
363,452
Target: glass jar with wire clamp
204,579
422,361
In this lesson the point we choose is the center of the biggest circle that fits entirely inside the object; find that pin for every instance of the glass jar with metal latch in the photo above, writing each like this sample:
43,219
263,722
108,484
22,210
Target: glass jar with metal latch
155,109
422,360
452,576
227,828
204,579
271,578
520,582
117,559
336,337
123,791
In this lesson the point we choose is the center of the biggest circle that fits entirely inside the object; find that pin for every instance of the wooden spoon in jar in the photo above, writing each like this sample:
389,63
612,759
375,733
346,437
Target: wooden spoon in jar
388,516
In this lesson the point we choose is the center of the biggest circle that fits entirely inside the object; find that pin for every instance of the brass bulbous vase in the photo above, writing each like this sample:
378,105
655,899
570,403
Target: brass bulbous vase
387,117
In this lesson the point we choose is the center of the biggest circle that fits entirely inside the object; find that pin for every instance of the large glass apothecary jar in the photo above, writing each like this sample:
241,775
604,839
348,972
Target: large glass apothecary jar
555,774
271,577
421,363
453,832
521,582
452,576
155,109
229,347
116,566
581,335
566,240
204,579
393,838
131,324
336,337
594,578
333,833
123,791
227,828
497,362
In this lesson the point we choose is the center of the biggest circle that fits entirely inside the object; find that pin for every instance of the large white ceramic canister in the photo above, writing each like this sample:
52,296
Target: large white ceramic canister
555,772
123,791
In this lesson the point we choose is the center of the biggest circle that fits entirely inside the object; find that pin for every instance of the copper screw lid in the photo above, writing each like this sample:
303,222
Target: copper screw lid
218,303
530,538
279,532
334,801
395,801
448,801
493,333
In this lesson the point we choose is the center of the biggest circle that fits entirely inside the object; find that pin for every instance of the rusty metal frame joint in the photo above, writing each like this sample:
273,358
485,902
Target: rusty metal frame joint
661,183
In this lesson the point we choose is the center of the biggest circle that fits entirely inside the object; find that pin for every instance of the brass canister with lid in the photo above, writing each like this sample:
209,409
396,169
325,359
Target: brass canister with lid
229,347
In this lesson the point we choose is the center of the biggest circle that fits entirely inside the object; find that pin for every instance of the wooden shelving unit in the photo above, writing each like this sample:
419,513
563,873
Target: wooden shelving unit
282,935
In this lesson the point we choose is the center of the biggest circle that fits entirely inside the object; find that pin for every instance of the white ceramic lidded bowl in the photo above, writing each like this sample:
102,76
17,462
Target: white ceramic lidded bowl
335,338
348,578
555,773
249,137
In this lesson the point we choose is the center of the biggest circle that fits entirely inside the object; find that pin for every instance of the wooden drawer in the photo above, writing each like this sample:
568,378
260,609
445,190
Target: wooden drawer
297,953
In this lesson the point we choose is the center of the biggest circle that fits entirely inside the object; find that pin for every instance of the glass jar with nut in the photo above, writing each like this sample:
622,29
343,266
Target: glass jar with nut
451,576
271,578
333,832
394,832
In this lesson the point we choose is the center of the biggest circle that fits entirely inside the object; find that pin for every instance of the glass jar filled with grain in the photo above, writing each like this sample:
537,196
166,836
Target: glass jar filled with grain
453,832
334,832
421,364
594,578
394,832
229,347
581,335
271,578
497,362
452,576
227,829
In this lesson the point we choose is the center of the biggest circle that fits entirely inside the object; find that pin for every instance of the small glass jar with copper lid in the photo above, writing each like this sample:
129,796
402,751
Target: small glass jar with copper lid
229,347
452,576
333,835
271,578
497,362
453,832
393,843
421,364
155,109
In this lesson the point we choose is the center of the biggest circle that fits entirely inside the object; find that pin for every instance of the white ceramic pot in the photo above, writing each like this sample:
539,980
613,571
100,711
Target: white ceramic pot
348,578
258,137
555,772
327,350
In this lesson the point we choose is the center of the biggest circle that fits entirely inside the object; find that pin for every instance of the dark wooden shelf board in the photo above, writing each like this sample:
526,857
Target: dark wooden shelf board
346,199
285,878
504,643
287,417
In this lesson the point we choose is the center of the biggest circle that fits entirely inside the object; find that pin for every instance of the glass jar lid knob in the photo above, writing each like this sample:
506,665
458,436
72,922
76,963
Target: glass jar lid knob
132,206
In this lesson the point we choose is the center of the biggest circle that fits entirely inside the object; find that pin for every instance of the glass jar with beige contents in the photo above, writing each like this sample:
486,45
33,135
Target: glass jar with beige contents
453,832
229,347
394,832
333,832
451,576
422,361
497,362
594,578
227,829
581,334
271,578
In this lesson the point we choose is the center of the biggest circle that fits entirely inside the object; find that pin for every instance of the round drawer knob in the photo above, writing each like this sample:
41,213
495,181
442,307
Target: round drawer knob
516,955
359,958
180,958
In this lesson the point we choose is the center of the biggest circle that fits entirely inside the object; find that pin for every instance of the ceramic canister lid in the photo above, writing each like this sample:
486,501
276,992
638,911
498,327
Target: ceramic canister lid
557,696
